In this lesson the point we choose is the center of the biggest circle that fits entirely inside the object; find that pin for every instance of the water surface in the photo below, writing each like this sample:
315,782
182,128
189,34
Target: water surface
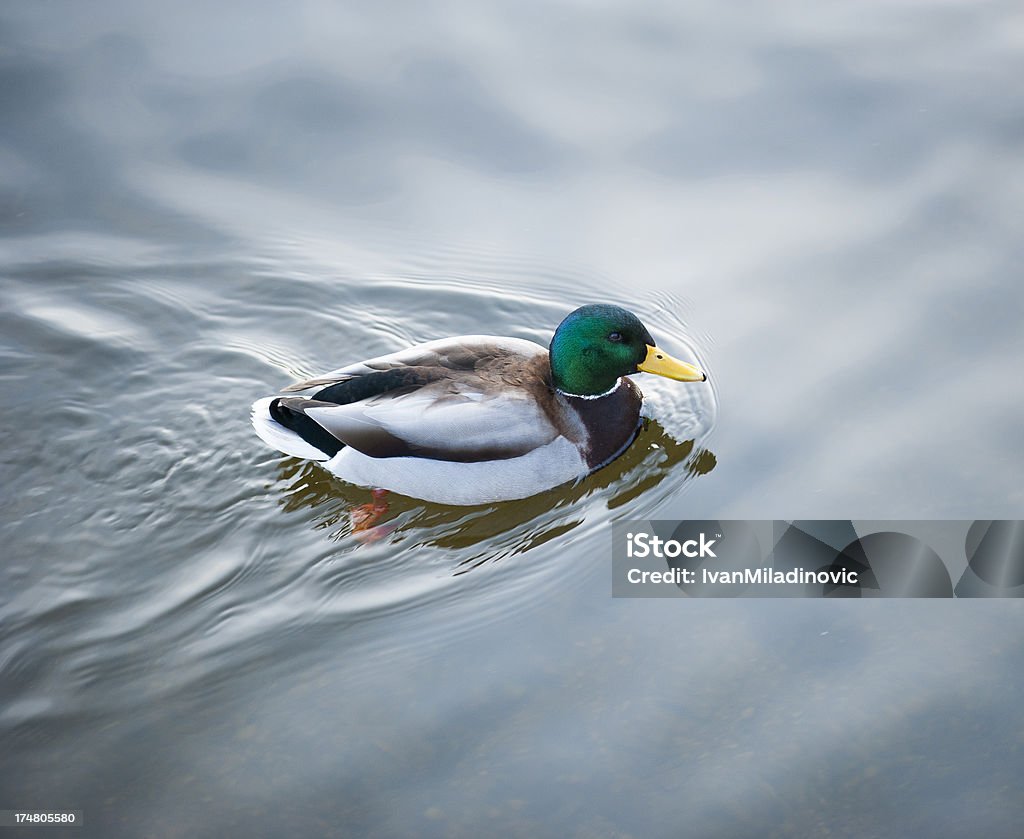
198,206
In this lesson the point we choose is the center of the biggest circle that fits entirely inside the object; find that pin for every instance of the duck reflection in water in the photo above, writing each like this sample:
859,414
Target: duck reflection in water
655,465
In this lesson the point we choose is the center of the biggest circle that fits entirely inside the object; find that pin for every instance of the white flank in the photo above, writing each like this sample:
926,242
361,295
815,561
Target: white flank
447,482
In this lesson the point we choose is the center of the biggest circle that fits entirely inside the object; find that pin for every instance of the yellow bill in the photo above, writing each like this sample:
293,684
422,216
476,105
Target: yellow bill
661,363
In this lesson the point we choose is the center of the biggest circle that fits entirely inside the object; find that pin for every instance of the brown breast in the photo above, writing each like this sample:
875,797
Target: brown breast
602,427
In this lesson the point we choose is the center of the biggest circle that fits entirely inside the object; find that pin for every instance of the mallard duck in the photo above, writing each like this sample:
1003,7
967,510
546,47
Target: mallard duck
477,419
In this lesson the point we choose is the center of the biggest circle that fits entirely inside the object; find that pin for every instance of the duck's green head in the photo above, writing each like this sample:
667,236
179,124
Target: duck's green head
596,345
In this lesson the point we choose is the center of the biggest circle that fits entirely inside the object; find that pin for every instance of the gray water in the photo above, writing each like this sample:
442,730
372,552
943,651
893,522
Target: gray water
201,202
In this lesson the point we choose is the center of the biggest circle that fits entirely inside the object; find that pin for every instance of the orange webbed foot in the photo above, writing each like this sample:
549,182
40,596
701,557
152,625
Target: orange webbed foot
365,517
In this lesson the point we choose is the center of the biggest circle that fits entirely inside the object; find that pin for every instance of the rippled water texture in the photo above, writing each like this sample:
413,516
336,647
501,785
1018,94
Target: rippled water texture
200,204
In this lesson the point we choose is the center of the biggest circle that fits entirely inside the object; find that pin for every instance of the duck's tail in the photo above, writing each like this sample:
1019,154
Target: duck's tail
277,436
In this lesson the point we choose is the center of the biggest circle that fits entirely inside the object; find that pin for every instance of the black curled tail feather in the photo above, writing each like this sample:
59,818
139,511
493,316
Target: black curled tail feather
309,430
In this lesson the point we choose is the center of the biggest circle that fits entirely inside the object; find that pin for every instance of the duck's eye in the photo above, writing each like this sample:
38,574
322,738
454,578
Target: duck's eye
615,337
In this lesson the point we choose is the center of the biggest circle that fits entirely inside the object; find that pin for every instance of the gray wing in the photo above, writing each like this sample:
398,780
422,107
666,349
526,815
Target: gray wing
461,399
464,354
